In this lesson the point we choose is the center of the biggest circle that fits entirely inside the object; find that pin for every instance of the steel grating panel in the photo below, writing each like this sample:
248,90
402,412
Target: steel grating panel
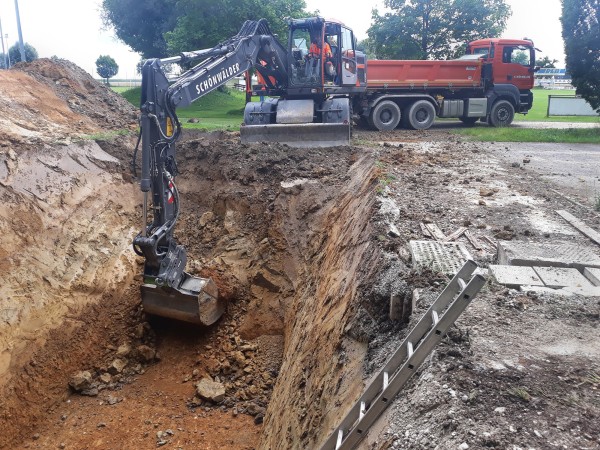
444,257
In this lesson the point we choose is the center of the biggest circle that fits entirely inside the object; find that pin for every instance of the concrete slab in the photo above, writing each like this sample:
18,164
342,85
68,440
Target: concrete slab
554,254
547,291
559,277
593,275
444,257
593,291
515,276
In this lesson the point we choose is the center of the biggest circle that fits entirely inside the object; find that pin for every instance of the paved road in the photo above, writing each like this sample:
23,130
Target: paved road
555,125
453,124
574,167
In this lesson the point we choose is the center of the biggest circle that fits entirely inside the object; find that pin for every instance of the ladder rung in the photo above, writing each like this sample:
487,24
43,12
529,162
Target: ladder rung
435,317
340,438
386,379
410,348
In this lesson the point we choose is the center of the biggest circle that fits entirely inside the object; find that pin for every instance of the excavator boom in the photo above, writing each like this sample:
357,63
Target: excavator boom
168,290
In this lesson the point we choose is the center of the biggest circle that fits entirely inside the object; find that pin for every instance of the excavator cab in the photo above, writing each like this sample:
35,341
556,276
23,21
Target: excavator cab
313,108
323,57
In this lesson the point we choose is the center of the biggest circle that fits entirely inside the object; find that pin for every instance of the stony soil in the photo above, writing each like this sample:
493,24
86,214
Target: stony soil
301,246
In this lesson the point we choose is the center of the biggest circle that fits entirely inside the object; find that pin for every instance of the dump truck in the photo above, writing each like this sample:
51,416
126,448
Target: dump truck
491,83
311,90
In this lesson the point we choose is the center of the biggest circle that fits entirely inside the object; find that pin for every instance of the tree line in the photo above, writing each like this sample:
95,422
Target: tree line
409,29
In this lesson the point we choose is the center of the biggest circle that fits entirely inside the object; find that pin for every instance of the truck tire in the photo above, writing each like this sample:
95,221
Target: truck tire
421,115
502,114
386,115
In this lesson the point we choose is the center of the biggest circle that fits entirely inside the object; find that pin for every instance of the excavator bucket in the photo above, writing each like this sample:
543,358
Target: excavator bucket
195,301
298,135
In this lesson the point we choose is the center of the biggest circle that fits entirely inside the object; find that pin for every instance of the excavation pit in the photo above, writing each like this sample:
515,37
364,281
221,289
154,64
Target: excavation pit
307,246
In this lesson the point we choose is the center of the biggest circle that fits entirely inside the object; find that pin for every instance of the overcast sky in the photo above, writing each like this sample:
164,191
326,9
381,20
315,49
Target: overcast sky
73,30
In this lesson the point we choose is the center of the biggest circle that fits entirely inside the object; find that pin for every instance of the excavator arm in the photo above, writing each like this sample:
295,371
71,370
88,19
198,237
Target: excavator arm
168,290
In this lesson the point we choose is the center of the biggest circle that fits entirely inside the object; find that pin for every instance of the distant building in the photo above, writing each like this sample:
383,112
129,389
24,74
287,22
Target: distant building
553,79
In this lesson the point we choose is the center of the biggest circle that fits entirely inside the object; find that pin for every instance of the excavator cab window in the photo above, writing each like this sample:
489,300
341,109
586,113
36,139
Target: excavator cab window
306,50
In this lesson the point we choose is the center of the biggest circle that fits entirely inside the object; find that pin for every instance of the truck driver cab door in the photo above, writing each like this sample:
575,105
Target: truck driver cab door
348,58
516,66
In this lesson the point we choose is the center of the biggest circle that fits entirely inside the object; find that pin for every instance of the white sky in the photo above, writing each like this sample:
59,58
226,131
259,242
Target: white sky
72,29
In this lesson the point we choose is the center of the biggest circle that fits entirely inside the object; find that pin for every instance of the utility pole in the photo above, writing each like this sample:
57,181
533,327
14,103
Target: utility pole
21,46
3,50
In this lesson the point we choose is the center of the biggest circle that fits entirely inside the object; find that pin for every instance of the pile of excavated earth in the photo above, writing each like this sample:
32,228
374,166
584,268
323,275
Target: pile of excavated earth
307,246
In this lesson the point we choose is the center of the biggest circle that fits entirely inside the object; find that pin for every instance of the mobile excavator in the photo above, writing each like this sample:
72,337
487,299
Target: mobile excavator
311,98
167,289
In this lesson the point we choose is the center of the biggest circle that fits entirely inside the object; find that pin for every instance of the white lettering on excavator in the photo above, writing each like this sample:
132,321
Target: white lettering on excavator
214,80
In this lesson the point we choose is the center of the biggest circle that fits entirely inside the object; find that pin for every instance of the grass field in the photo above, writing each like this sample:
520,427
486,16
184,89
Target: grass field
215,111
224,110
540,108
571,135
120,89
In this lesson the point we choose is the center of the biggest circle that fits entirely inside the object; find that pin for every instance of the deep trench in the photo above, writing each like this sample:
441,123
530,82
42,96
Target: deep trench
289,239
293,233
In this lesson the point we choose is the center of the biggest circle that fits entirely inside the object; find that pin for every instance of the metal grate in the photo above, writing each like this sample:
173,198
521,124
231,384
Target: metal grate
444,257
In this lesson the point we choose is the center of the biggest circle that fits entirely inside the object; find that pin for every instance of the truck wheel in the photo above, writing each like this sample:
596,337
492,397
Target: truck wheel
421,115
386,115
502,114
469,121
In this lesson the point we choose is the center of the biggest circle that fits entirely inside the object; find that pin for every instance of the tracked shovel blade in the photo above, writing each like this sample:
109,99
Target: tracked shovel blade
298,135
195,301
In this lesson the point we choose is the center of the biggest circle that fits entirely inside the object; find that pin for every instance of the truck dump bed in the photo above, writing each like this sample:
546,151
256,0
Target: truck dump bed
385,74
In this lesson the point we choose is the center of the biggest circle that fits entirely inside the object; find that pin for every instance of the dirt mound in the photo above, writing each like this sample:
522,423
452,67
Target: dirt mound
51,100
82,94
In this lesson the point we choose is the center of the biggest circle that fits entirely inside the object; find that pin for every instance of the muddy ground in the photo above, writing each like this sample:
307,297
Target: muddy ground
299,243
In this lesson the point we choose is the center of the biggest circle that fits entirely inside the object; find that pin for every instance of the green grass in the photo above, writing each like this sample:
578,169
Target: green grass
570,135
215,111
540,108
224,110
120,89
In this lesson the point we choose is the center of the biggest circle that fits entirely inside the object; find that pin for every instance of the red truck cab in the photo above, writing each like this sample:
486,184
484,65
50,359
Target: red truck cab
512,60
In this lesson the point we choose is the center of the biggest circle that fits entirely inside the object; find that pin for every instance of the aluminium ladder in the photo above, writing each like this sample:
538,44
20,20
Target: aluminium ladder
420,342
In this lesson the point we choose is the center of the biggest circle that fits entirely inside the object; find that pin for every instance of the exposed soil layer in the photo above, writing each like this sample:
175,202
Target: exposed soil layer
306,246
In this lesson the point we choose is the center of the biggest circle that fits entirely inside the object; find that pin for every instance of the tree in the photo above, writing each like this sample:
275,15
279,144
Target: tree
366,46
141,25
106,67
424,29
546,63
581,33
204,23
15,53
157,28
